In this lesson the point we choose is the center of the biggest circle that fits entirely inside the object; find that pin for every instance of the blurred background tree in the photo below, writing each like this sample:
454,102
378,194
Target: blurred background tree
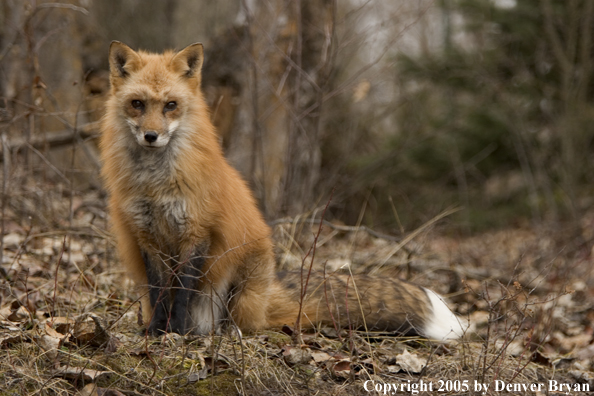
499,119
404,107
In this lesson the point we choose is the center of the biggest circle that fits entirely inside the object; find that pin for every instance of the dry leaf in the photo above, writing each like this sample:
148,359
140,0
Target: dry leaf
13,337
319,356
85,374
410,363
47,329
540,358
50,345
295,355
89,390
61,324
20,314
140,352
341,369
199,375
207,367
89,329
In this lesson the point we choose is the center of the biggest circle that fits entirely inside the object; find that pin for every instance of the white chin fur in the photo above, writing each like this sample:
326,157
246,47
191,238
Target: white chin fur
173,127
443,324
161,142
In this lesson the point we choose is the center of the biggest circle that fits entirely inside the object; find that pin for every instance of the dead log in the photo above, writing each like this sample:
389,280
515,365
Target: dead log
53,139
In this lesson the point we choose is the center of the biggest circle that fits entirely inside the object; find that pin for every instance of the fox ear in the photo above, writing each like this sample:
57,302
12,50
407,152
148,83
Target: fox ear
123,60
189,60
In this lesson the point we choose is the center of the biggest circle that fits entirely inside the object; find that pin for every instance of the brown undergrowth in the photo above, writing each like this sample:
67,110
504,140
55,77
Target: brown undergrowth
68,322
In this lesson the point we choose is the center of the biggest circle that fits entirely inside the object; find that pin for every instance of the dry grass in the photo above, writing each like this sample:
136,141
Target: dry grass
67,320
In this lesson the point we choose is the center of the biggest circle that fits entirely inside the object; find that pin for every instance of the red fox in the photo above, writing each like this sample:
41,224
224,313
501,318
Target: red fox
188,229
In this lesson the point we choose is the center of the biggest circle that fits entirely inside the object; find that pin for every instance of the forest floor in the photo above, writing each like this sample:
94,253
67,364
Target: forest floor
69,322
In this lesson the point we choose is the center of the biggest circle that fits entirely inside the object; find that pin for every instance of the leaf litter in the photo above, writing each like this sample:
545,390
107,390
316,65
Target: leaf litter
68,320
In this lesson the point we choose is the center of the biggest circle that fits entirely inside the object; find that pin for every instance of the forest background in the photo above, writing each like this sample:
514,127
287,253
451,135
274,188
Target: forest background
405,108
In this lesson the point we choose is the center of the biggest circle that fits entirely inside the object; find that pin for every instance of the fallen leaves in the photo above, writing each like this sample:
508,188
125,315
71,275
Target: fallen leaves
50,341
63,307
90,329
296,355
342,365
209,366
409,363
81,373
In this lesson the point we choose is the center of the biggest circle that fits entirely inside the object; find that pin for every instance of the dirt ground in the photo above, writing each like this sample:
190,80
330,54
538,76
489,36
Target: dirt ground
69,321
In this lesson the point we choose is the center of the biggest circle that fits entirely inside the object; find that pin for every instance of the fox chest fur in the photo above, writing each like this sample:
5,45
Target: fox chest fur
158,209
159,220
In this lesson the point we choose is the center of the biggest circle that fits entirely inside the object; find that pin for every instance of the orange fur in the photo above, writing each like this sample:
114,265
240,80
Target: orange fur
176,200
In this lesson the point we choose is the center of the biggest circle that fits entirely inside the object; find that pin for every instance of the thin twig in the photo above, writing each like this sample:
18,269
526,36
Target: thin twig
297,333
413,235
337,227
6,172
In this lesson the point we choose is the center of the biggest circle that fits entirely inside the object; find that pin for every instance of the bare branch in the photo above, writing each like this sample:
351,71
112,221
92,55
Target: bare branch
556,44
63,5
53,139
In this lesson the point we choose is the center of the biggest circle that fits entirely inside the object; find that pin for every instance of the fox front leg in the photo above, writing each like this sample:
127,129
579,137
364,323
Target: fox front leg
159,297
187,287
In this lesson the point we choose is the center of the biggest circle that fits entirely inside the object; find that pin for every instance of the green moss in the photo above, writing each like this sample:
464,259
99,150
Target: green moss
276,337
222,384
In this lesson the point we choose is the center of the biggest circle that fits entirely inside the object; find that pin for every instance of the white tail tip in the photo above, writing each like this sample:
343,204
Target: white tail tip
443,324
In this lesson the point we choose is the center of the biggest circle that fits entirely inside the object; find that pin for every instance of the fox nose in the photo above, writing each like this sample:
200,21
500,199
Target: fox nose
151,136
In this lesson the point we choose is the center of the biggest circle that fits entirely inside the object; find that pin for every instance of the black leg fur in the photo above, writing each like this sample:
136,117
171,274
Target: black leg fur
159,297
187,282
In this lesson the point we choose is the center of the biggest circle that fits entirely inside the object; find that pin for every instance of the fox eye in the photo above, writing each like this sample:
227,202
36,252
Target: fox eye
170,106
137,104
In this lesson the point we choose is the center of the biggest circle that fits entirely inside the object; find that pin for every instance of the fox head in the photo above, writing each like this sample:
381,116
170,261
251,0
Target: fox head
154,91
